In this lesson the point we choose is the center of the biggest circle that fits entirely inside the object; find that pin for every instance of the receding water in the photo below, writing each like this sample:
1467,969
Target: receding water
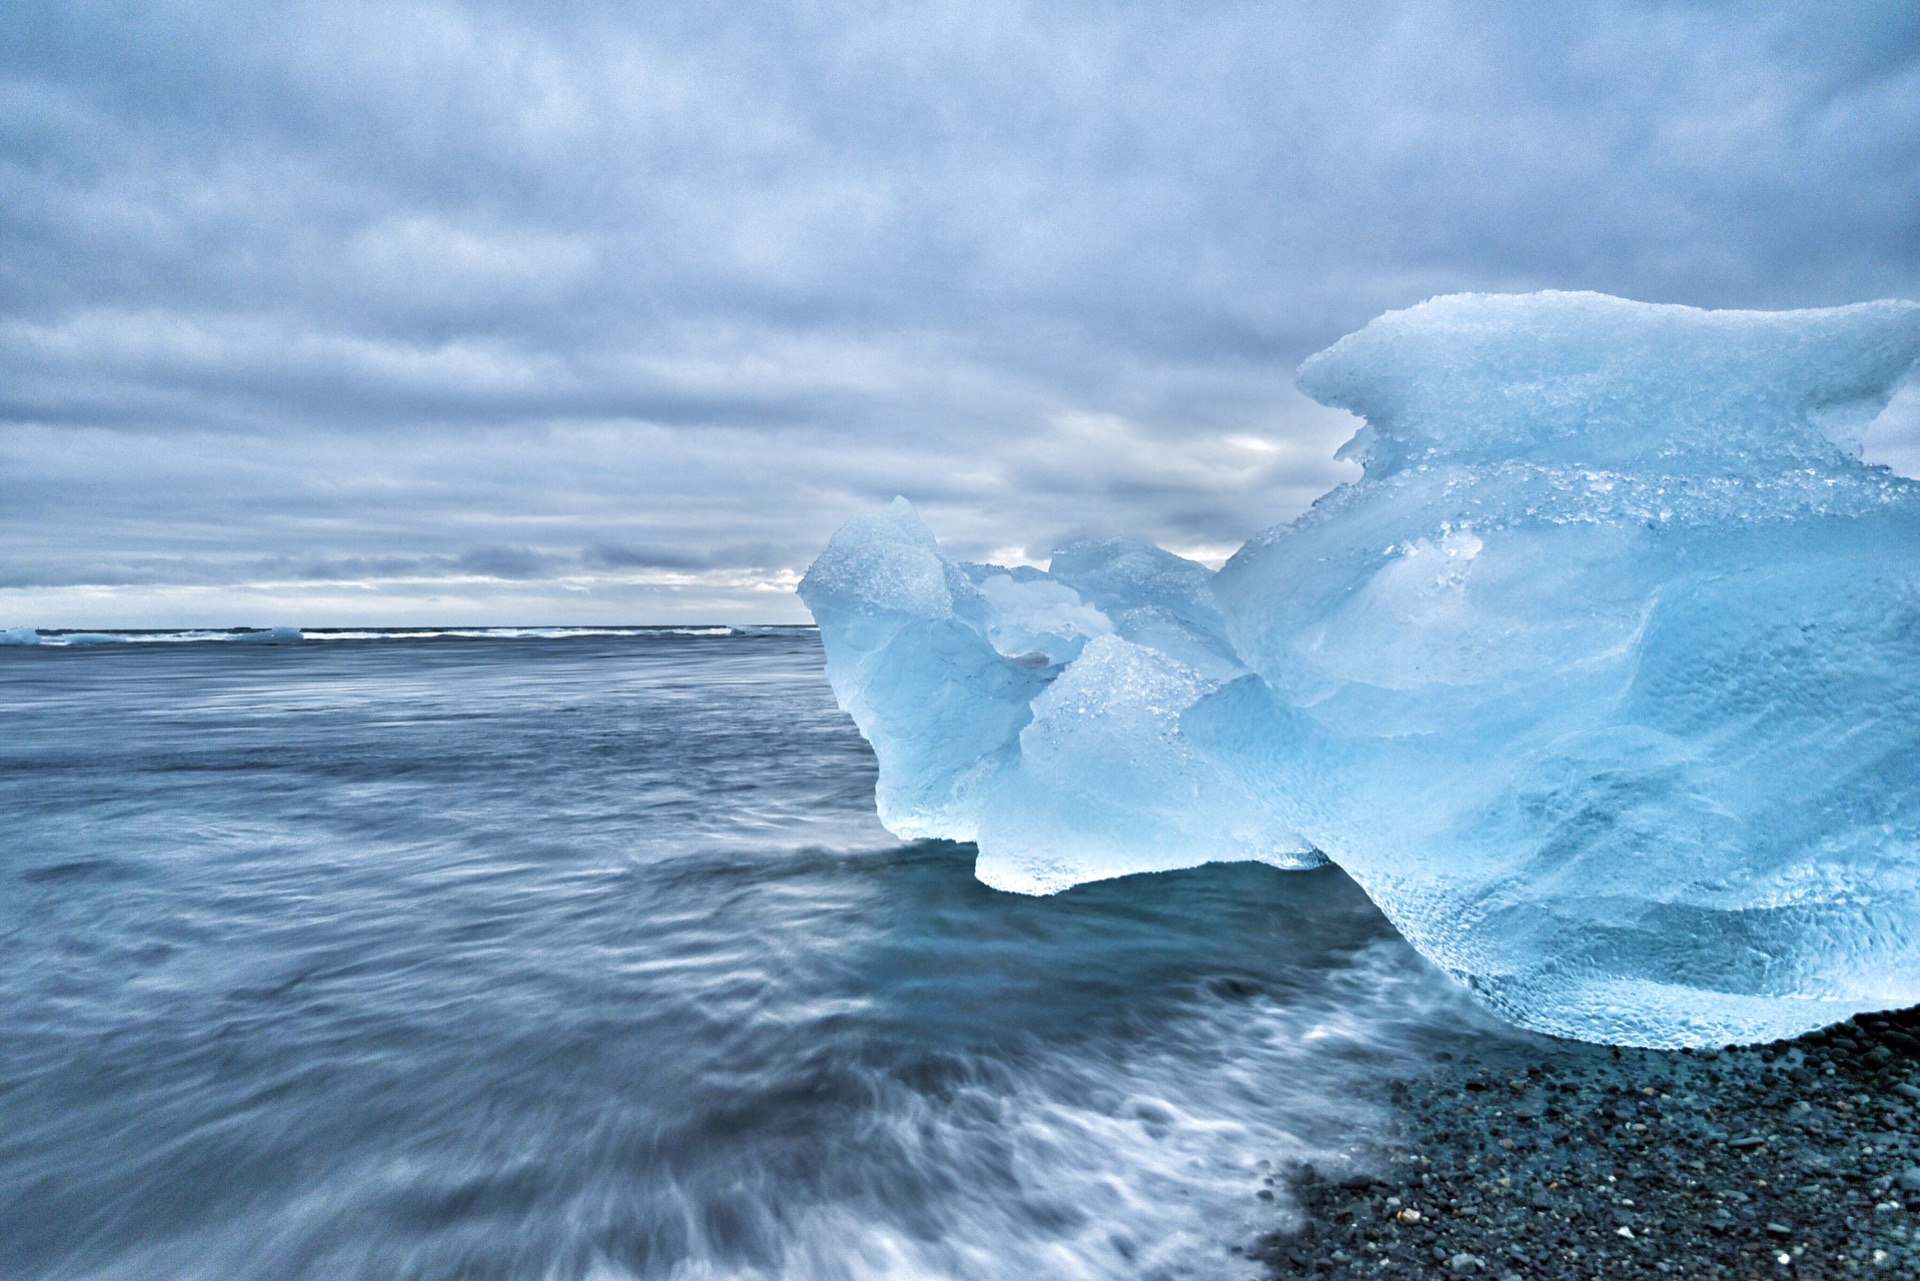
555,956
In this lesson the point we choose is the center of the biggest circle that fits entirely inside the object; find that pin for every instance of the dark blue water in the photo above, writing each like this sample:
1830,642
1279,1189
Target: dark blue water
584,957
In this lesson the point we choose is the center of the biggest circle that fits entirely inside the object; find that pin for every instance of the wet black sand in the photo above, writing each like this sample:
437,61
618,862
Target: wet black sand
1797,1159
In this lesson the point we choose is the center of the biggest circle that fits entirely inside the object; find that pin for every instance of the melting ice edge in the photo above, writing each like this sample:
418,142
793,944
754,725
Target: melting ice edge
1603,680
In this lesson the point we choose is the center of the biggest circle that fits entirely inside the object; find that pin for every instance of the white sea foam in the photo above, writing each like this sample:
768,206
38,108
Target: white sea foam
290,635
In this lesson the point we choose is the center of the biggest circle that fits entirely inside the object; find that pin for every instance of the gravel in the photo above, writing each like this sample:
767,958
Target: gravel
1797,1159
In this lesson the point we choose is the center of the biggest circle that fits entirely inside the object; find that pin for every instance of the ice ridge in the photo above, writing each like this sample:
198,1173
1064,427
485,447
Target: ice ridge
1603,680
1038,713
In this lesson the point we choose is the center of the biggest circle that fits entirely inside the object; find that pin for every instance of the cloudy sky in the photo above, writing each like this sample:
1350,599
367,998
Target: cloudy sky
476,313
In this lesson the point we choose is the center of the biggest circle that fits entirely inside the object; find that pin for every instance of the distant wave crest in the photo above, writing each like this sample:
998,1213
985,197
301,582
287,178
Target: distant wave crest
291,635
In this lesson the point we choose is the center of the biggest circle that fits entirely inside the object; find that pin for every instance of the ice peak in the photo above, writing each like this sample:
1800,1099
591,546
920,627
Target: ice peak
1583,379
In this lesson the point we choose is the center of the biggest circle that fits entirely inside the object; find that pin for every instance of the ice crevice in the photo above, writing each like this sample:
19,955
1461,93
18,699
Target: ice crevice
1603,680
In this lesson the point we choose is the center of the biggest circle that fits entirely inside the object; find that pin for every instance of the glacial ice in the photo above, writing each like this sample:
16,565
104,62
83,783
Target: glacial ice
1603,680
1038,713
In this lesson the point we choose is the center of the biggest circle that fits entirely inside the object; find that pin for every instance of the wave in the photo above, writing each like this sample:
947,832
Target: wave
58,637
233,635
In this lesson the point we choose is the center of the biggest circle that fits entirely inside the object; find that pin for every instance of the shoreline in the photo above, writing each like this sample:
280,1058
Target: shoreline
1799,1158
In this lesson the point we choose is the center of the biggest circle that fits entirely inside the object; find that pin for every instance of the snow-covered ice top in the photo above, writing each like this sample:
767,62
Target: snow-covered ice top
1603,681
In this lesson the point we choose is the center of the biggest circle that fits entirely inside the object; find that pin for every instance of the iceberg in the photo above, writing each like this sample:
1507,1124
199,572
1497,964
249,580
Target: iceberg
1603,681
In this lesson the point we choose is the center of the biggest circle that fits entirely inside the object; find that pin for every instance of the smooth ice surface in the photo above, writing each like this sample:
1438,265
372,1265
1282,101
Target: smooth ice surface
1603,681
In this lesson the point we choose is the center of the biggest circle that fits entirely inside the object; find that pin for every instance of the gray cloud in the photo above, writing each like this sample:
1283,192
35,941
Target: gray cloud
509,562
434,312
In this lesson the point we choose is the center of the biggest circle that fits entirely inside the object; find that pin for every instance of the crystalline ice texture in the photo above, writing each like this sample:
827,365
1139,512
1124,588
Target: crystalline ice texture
1603,681
1014,708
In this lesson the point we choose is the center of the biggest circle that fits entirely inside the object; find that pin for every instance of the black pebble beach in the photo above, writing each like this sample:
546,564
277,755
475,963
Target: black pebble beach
1797,1159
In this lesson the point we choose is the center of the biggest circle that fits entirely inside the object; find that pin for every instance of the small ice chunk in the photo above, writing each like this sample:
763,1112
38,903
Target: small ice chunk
1004,706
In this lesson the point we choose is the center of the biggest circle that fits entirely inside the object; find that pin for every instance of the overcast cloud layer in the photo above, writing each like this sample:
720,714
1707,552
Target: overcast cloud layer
414,313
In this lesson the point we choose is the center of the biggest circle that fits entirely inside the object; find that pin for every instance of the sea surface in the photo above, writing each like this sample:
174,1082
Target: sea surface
550,953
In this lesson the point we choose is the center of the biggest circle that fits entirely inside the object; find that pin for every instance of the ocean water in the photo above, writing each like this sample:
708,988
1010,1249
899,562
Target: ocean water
580,954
